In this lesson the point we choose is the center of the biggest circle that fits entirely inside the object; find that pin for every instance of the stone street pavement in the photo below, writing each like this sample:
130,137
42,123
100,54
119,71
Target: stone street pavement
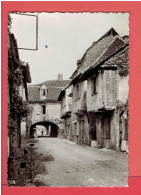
77,165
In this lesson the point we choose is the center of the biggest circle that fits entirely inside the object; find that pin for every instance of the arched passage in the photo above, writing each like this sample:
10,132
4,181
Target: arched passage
44,129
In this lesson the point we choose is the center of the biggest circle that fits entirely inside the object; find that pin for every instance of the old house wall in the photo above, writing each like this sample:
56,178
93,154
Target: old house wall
80,128
121,116
35,116
113,140
79,96
116,130
83,128
95,101
95,122
74,116
110,88
68,119
113,130
120,96
105,98
63,104
53,109
68,128
75,132
66,104
123,88
61,134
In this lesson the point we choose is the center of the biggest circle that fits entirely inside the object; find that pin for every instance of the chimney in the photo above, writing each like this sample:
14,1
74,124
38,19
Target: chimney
60,77
126,39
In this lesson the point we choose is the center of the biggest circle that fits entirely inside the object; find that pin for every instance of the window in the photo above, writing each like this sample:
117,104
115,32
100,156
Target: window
77,92
38,110
43,92
43,109
94,85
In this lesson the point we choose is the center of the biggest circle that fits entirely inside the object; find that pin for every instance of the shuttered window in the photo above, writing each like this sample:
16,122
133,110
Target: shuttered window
38,109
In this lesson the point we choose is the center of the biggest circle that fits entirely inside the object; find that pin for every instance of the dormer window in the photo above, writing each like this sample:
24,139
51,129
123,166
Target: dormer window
43,92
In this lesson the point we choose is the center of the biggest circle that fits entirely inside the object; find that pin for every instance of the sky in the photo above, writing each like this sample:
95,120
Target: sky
63,39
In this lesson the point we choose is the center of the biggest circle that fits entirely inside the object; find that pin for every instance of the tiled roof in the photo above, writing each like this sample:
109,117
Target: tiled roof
74,74
33,93
100,50
116,44
53,93
120,59
55,83
53,90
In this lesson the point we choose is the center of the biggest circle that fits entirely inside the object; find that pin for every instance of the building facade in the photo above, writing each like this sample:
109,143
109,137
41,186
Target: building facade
66,109
100,94
79,113
43,99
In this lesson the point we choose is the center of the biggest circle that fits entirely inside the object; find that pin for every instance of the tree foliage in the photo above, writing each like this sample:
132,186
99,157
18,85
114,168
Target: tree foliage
17,107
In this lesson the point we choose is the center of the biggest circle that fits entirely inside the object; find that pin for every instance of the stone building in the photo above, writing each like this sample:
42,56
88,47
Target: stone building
66,109
18,77
74,111
107,91
79,112
43,99
100,93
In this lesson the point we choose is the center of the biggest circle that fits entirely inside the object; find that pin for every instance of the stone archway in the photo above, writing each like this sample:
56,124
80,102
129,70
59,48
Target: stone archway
44,129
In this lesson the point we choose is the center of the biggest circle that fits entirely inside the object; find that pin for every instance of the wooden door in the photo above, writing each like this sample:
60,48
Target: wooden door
106,131
107,127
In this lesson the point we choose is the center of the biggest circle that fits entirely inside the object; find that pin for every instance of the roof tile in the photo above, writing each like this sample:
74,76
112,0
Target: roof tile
53,90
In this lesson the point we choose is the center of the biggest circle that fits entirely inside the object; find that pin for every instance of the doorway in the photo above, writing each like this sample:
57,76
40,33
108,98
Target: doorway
105,125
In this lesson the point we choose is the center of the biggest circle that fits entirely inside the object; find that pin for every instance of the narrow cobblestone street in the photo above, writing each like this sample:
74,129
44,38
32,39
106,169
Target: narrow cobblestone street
76,165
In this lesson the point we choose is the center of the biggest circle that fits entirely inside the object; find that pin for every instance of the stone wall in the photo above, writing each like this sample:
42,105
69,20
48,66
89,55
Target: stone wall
95,101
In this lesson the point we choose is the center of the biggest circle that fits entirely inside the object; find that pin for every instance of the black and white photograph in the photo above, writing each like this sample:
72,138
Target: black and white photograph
68,95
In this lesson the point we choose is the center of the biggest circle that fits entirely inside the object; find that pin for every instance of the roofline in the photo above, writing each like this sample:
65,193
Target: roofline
95,63
50,80
83,77
95,42
111,29
62,93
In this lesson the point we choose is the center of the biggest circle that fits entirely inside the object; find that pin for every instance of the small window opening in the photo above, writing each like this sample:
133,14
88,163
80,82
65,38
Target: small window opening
43,92
43,109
